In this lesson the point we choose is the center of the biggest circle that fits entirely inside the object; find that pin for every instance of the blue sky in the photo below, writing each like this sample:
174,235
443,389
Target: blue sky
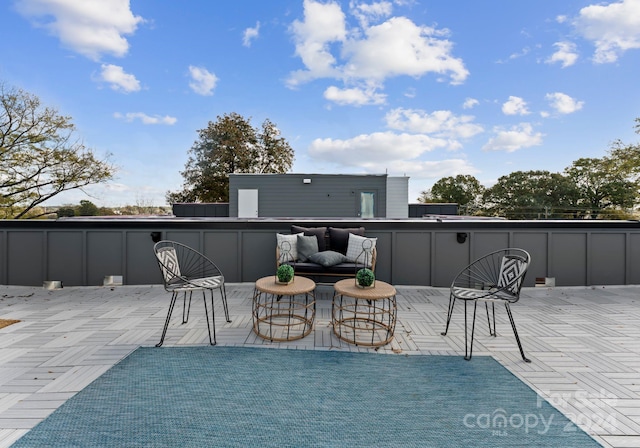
425,89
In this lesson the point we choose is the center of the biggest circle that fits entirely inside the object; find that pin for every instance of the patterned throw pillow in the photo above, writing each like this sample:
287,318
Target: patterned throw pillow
293,250
357,244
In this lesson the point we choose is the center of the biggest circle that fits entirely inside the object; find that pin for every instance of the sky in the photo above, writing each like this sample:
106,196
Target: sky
424,89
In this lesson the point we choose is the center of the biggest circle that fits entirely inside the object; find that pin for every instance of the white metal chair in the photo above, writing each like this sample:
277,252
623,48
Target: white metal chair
185,270
494,278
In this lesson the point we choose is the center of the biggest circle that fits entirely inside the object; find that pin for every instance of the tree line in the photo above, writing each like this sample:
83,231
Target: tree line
591,188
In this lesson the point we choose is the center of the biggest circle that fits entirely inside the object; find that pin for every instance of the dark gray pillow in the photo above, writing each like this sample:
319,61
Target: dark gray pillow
319,232
328,258
307,246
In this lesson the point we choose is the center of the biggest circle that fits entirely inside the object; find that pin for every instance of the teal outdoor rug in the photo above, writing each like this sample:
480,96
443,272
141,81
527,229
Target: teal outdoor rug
250,397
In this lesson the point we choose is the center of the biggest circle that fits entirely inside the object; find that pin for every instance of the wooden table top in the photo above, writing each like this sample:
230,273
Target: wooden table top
381,290
300,285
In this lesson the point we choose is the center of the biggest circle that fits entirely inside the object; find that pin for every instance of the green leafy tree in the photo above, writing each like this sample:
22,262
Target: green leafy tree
88,208
531,195
464,190
40,155
625,157
66,212
601,185
106,211
230,145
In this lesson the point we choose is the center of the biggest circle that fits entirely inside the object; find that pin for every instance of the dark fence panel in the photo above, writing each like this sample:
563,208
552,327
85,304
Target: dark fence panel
410,252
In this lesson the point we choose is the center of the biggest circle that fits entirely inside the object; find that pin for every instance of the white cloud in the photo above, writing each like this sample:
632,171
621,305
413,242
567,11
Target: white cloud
565,53
354,96
561,18
563,103
400,47
613,28
322,25
429,169
202,81
441,123
117,187
369,54
367,12
89,27
520,136
118,79
250,34
525,51
369,151
146,119
515,106
470,103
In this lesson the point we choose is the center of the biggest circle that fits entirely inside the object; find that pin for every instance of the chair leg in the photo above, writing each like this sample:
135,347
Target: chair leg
223,293
174,296
185,309
452,302
212,341
515,332
468,348
493,309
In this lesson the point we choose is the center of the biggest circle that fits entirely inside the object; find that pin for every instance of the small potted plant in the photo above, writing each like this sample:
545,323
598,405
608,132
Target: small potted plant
365,278
284,274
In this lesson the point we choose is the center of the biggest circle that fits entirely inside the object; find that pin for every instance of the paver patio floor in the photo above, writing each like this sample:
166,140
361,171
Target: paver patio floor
584,343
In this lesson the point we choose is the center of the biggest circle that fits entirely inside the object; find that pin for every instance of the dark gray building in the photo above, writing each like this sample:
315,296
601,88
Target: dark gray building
318,196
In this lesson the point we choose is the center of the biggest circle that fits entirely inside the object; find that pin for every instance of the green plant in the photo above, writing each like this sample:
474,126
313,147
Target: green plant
284,273
365,277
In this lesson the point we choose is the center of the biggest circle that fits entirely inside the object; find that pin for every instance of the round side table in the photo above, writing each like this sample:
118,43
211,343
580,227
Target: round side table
283,312
364,316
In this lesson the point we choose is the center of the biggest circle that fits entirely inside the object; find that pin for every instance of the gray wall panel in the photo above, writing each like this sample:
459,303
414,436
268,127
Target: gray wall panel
188,238
65,253
222,249
383,254
413,258
421,252
633,268
258,255
141,265
397,194
569,259
609,263
449,258
104,255
3,258
536,244
26,258
483,243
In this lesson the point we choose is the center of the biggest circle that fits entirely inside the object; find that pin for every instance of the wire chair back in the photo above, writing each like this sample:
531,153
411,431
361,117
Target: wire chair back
500,272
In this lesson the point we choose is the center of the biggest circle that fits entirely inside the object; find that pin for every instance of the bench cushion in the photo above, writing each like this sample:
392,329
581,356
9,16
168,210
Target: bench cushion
346,269
339,237
319,232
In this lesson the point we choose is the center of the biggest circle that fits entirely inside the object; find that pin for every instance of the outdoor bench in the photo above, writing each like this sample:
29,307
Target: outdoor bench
326,253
